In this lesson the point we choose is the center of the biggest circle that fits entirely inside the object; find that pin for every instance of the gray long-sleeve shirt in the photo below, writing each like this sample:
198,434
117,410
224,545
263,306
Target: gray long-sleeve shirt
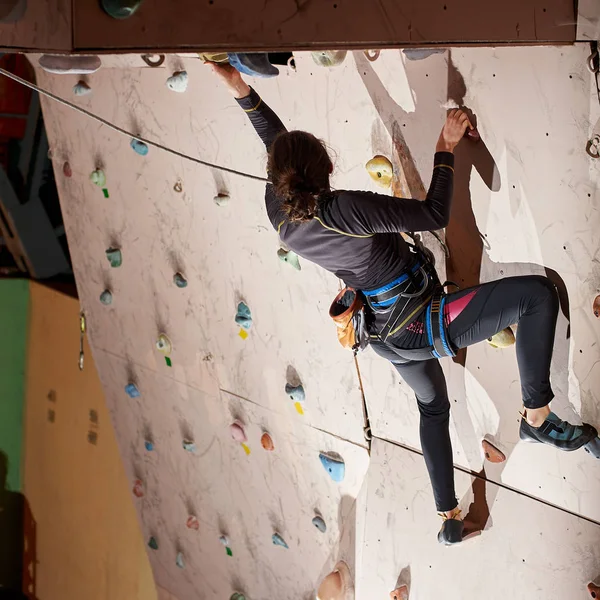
356,234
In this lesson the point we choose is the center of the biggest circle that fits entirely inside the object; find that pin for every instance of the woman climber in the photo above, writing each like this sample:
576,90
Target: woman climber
410,321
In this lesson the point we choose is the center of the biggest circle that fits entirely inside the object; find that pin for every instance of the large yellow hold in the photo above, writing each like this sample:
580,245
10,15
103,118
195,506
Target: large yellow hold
502,339
381,170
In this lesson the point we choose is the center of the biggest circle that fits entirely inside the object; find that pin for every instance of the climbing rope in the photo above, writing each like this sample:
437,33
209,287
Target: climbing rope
114,127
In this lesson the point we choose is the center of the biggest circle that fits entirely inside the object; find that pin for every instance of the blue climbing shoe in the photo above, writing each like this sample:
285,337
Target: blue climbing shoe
557,433
452,530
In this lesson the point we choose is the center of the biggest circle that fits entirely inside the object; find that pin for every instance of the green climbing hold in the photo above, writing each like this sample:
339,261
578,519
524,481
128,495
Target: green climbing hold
120,9
229,552
152,543
98,178
289,257
243,317
115,258
237,596
179,280
106,298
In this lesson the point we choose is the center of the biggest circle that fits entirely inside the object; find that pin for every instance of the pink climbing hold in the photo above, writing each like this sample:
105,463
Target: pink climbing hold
138,488
193,523
236,429
67,171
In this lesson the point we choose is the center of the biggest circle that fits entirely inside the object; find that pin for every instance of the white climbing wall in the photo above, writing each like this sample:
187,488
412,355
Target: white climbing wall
535,202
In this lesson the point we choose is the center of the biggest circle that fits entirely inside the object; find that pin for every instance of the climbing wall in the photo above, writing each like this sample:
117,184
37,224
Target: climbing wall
218,508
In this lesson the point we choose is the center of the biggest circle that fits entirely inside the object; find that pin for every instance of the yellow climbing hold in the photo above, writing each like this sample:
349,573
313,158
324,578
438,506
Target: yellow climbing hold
163,344
243,334
381,170
299,408
246,449
503,339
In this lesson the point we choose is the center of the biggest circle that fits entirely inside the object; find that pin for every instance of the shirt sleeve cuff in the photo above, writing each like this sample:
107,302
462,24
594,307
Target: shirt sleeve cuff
443,158
250,102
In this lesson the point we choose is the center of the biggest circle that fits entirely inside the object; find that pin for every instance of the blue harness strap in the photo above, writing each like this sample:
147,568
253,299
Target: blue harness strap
436,329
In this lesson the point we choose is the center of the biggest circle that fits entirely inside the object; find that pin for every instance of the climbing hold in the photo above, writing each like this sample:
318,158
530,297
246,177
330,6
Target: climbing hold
178,82
289,257
98,177
421,53
594,590
267,442
138,488
593,447
472,134
193,523
278,540
67,171
338,584
132,391
61,64
224,540
296,393
149,445
179,280
81,88
139,147
216,57
502,339
329,58
115,258
237,596
493,454
372,55
152,543
221,199
236,430
178,187
179,560
381,170
596,307
163,344
400,593
319,524
189,445
243,317
106,297
120,9
334,465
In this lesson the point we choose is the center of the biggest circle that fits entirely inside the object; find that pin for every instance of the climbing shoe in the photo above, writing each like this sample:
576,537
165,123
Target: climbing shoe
452,530
557,433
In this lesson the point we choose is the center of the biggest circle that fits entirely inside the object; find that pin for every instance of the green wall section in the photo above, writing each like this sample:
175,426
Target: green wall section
14,309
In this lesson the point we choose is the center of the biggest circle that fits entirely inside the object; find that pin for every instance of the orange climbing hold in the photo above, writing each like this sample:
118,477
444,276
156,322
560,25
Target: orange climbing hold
492,453
594,590
267,442
400,593
138,488
193,523
596,307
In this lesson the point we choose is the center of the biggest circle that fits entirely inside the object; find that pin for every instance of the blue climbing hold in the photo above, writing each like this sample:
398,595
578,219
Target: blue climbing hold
296,393
279,541
334,465
149,445
189,445
139,147
243,317
132,391
319,524
593,447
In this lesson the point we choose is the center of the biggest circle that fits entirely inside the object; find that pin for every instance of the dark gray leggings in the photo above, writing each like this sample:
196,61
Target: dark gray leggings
532,302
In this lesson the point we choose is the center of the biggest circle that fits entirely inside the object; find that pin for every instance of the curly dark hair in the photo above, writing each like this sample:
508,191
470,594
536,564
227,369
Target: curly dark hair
299,168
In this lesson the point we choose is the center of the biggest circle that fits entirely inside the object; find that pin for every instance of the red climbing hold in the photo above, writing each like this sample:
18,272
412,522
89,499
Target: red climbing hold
597,307
594,590
400,593
193,523
138,488
492,453
67,171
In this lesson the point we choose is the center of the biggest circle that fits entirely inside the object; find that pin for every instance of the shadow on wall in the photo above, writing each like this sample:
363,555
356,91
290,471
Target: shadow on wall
13,514
466,244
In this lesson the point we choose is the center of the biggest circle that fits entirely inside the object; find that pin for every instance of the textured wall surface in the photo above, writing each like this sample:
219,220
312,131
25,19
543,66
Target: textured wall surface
526,201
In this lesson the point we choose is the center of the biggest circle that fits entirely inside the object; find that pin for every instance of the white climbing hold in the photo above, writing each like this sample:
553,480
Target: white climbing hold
179,561
81,88
61,64
329,58
221,199
178,82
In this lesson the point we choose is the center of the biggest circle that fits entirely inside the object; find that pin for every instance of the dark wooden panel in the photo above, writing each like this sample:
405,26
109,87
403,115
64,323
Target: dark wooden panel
298,24
45,25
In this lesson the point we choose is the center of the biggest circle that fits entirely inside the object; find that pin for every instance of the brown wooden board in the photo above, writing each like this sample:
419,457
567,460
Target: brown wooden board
45,25
297,24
